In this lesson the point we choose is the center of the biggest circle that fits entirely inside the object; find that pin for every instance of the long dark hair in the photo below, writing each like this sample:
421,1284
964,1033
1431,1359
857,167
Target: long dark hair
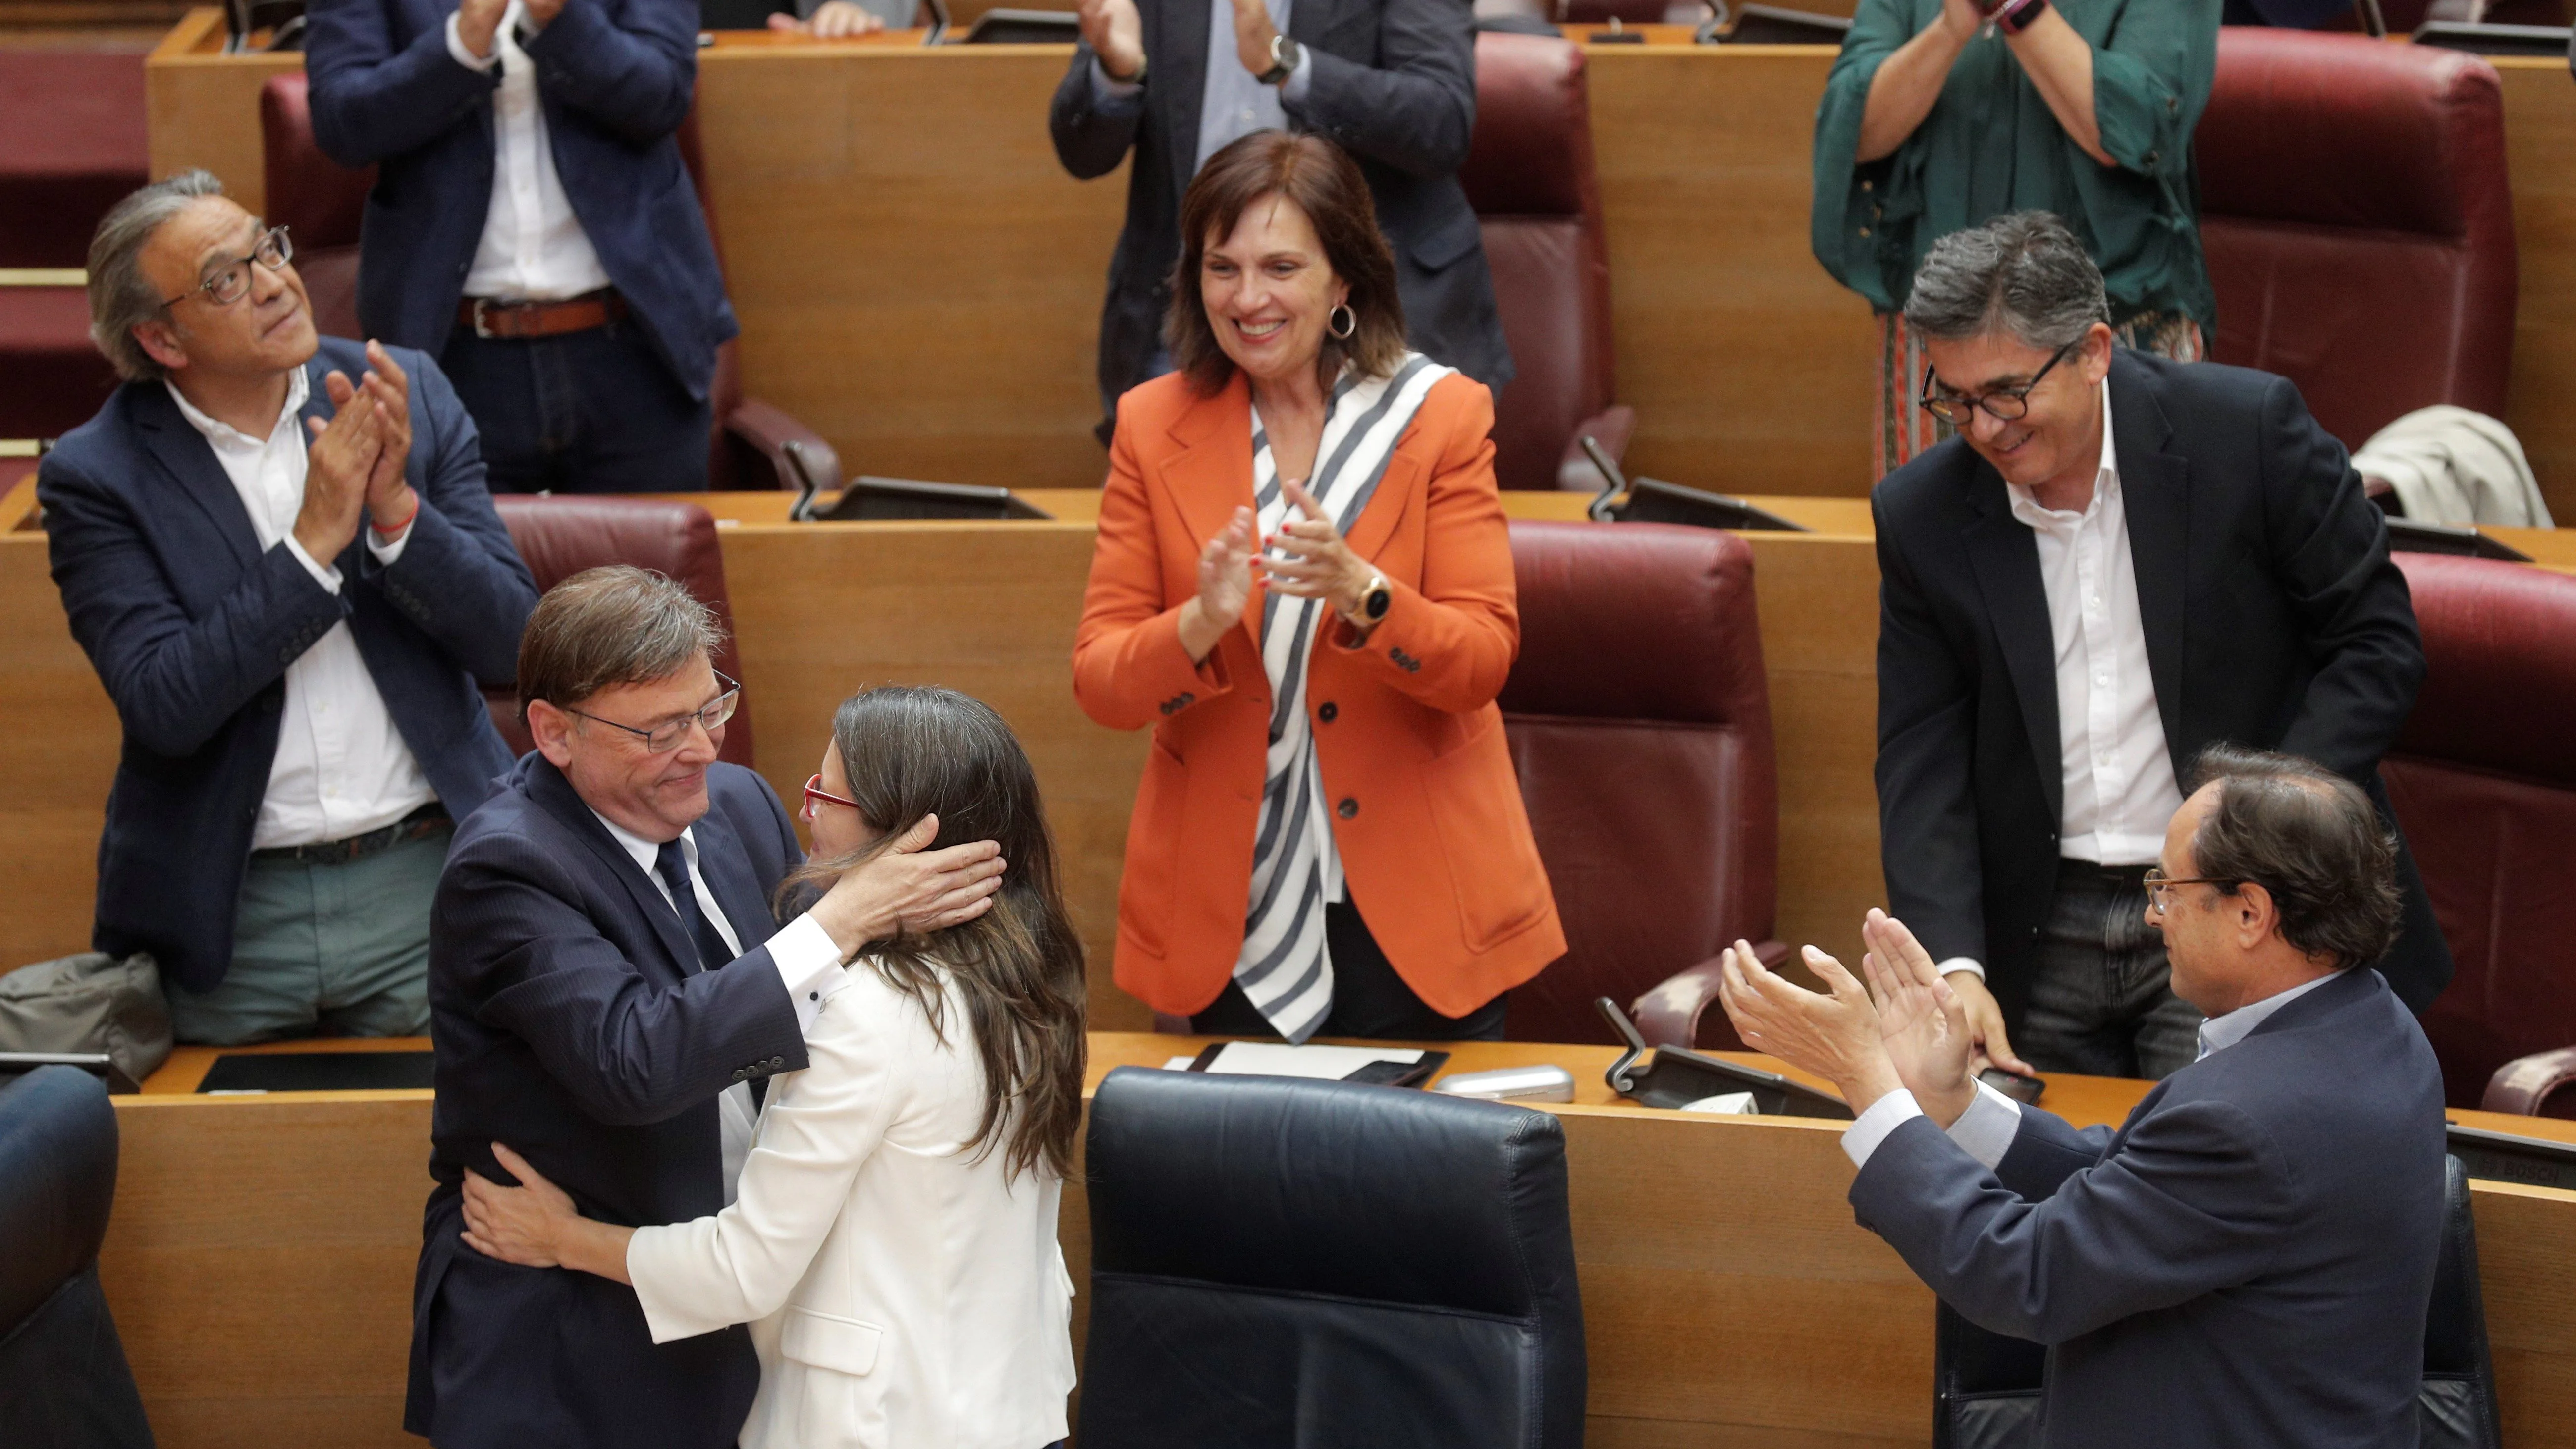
910,751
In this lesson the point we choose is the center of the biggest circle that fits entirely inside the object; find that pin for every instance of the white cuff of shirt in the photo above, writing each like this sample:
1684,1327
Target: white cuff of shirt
1969,964
327,577
1301,78
810,966
1985,1131
386,553
456,48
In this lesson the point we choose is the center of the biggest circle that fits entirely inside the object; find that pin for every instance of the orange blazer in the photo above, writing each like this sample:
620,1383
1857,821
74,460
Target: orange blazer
1435,845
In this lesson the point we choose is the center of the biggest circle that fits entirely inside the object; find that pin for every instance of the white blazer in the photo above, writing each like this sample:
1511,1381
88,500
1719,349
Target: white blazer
901,1292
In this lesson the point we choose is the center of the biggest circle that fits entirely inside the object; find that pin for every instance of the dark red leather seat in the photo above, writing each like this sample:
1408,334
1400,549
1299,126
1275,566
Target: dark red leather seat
1530,178
71,145
2358,224
1640,722
2484,785
561,536
324,202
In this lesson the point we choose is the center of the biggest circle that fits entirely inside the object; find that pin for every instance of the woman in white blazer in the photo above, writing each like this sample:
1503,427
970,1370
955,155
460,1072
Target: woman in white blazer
892,1240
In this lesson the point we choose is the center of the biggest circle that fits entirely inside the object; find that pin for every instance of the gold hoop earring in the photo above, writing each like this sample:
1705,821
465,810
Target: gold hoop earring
1342,322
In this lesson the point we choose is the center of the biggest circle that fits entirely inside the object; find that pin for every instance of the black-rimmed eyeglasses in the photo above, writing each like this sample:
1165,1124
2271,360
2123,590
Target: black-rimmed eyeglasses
230,282
665,737
2006,403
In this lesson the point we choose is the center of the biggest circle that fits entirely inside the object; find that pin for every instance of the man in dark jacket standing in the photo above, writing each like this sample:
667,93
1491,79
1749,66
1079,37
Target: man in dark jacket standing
1391,81
290,584
532,226
2118,562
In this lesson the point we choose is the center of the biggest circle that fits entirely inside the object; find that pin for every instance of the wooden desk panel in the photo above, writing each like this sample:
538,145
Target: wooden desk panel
2540,157
259,1264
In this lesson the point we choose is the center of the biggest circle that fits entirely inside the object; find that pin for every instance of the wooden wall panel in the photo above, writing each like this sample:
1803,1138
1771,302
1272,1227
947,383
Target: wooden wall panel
2540,156
824,609
1748,366
53,786
205,106
917,278
1818,595
260,1262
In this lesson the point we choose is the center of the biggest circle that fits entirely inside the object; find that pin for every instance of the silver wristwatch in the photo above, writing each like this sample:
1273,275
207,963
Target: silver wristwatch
1284,55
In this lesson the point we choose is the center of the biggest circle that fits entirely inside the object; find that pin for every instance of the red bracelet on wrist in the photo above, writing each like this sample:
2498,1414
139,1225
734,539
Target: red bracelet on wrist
388,530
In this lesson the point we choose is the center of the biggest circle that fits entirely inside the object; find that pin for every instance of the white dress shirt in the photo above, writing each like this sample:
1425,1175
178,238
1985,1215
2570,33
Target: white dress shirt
809,966
1985,1131
342,768
2119,786
1233,103
533,247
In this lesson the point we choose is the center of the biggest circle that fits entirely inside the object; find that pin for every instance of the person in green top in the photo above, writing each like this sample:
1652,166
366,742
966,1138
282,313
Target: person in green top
1943,114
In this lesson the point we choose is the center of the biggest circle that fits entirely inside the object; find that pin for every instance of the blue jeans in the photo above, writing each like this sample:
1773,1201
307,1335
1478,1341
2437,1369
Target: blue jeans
588,412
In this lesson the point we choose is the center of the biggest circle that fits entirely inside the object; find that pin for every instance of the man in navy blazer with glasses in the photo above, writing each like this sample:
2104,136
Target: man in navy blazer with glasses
532,226
290,584
2248,1260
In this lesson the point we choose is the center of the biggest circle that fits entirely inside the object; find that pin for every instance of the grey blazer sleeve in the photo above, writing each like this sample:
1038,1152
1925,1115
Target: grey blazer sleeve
2196,1199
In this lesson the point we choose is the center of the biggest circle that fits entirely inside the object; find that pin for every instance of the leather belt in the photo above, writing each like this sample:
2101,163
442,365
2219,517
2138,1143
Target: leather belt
518,321
428,820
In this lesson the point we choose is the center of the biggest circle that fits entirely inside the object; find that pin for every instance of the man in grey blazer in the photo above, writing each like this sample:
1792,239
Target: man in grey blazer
1391,81
2249,1258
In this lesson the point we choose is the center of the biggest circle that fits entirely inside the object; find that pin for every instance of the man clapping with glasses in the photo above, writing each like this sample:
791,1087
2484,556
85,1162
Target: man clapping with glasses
2118,561
289,583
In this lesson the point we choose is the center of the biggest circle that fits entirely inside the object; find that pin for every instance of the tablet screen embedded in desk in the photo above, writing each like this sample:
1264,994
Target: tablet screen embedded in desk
245,1072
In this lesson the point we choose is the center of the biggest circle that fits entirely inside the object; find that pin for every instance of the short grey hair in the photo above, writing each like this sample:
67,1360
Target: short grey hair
2022,274
121,298
615,624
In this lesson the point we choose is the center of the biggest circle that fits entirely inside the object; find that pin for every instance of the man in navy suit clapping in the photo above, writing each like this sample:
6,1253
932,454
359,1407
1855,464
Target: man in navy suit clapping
532,225
289,584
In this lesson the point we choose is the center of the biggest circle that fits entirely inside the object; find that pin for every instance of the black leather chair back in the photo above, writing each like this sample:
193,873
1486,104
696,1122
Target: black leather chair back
1278,1263
1986,1386
64,1382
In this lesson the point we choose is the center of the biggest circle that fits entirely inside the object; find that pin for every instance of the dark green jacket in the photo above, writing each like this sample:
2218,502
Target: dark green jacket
1990,146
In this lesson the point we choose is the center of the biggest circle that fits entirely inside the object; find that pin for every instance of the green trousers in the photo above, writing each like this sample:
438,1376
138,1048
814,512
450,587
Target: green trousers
324,950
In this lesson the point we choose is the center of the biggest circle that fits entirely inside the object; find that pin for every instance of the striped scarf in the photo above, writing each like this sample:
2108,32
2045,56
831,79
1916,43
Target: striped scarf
1285,968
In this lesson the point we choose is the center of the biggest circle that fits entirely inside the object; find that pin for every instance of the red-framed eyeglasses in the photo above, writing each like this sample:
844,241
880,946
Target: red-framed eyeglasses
815,795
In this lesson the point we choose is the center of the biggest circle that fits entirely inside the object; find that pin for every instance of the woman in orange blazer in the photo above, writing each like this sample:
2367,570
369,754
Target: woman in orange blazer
1303,582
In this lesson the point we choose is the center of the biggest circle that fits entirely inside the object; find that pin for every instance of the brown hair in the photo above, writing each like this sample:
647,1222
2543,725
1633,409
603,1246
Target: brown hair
609,626
1320,179
911,751
2311,838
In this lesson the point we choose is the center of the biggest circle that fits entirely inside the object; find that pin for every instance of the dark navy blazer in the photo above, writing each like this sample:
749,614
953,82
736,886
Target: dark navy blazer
615,77
2273,617
191,627
2247,1261
572,1022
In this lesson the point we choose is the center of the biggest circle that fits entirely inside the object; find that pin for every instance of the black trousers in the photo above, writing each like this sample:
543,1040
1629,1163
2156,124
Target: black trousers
1369,999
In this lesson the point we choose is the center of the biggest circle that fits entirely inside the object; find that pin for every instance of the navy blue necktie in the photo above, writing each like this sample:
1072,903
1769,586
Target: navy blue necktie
673,868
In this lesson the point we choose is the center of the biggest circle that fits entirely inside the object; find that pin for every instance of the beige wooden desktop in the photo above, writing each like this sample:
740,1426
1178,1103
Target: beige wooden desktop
259,1265
919,280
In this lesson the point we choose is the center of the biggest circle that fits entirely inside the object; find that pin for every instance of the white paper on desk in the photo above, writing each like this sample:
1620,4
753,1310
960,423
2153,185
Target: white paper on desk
1323,1063
1725,1104
1179,1064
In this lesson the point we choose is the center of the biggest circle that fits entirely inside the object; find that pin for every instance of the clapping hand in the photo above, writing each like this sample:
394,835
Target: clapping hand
1318,565
1225,586
1116,34
338,466
478,22
390,500
1921,1021
1252,35
832,20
